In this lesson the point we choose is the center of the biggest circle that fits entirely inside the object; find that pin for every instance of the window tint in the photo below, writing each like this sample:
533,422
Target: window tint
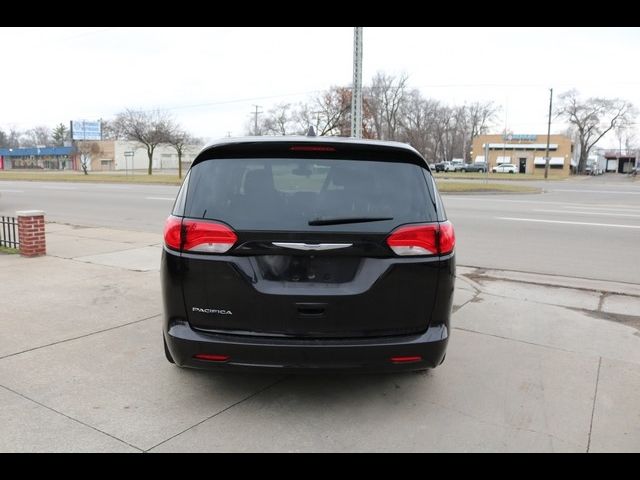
285,194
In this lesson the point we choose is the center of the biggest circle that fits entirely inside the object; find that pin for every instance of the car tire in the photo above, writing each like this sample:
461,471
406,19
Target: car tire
167,353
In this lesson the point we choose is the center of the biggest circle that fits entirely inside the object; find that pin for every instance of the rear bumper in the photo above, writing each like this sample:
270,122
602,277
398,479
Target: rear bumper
299,355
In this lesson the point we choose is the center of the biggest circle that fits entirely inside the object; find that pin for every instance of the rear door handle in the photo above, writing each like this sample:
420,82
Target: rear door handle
312,246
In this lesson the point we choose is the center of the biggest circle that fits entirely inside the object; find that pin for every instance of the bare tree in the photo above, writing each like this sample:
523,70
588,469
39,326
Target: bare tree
110,131
278,120
60,135
418,122
328,113
593,118
85,149
148,128
386,96
443,131
479,117
179,139
37,136
13,138
4,139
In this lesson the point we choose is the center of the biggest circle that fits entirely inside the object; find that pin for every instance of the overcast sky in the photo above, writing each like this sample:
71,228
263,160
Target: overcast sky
210,78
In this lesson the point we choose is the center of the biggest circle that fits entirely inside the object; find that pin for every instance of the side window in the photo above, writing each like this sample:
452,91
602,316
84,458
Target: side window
178,207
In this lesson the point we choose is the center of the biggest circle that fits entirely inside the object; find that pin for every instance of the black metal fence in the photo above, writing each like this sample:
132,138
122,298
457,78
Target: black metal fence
9,232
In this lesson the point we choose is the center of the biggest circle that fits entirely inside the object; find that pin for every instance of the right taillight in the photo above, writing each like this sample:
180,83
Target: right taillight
447,238
430,239
198,236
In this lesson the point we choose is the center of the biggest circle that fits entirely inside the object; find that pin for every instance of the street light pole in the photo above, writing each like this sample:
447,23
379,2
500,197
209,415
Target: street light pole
546,154
356,93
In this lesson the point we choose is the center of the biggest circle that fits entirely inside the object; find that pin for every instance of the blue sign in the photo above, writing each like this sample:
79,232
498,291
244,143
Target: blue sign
85,130
520,137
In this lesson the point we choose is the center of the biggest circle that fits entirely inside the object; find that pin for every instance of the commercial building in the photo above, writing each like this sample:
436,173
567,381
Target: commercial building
621,161
102,155
37,158
526,152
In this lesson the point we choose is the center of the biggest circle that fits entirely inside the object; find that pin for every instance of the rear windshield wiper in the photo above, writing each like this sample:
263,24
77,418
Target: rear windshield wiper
345,220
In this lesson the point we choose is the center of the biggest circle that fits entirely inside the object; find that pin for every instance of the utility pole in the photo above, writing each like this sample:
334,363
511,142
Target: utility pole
546,154
356,95
317,114
255,119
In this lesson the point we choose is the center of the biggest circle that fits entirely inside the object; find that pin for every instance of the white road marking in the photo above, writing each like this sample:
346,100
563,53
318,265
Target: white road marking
12,191
589,213
116,187
58,188
615,208
160,198
617,192
471,198
567,223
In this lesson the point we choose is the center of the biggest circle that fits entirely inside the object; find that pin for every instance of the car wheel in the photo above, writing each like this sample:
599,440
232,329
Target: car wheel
167,353
511,171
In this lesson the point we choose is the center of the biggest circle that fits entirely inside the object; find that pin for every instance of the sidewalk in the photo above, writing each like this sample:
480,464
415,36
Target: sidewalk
535,363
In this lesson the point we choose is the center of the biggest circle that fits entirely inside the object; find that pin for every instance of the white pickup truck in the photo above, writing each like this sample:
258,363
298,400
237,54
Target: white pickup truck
454,165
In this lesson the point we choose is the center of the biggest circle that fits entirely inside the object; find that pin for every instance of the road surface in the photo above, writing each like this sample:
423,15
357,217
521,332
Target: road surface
588,227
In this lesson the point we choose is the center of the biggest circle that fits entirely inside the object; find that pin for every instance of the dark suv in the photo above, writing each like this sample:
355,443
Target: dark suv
305,253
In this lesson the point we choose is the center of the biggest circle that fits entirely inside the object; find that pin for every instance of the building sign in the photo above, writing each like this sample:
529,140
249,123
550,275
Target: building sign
520,137
85,130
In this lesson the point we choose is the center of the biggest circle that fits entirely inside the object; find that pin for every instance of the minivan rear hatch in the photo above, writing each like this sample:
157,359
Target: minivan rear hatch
311,256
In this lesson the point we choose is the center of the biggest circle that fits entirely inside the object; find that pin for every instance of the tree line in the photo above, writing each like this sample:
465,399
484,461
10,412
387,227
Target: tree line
440,132
392,110
149,128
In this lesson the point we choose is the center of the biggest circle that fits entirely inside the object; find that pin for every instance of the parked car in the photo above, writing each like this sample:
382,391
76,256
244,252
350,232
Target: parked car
472,167
307,253
504,168
439,167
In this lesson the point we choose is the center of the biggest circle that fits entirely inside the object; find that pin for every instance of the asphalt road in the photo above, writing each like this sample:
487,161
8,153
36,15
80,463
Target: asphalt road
587,227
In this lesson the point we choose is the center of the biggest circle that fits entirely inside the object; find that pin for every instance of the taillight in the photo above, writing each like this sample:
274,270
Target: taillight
207,237
431,239
172,232
198,236
447,240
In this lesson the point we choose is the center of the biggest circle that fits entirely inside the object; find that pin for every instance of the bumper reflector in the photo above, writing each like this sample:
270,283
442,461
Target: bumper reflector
412,359
211,358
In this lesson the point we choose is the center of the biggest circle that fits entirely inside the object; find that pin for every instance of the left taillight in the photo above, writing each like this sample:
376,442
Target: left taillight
429,239
173,233
198,236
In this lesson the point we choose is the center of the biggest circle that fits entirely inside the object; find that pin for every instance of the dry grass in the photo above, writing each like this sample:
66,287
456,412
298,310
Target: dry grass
162,179
94,177
496,176
8,250
473,187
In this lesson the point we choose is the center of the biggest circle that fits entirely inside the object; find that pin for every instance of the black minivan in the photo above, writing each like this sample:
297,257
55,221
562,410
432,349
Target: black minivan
308,253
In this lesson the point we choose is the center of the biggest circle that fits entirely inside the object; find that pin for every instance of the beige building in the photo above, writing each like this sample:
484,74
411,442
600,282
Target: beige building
526,152
109,155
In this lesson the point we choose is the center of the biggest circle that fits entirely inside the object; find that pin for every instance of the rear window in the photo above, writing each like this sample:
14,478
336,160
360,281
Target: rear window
287,194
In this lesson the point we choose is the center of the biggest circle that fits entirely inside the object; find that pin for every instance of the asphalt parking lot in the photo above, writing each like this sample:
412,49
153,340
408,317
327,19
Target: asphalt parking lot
536,363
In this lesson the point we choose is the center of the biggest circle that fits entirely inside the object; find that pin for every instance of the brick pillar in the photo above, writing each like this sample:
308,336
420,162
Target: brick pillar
31,233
